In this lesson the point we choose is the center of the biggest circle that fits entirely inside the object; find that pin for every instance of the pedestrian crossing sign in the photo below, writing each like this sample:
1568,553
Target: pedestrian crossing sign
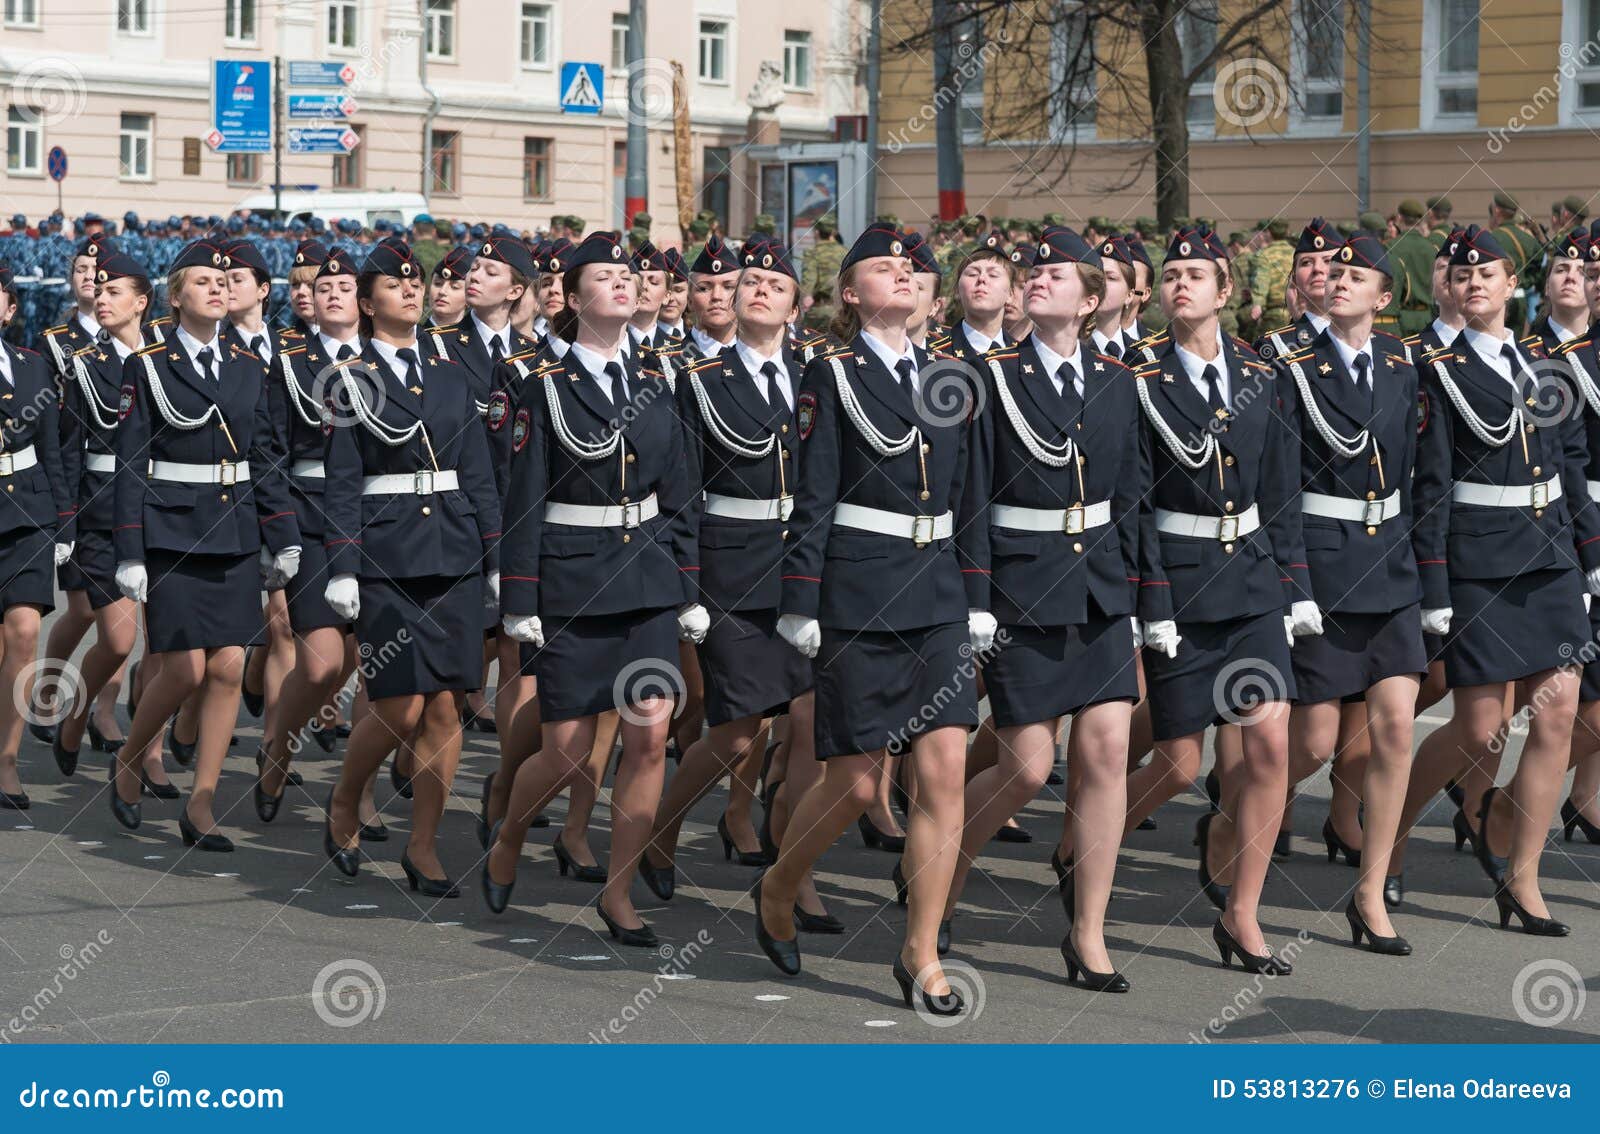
582,88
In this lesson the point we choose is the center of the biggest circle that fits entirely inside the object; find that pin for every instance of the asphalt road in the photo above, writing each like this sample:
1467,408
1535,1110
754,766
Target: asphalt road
270,944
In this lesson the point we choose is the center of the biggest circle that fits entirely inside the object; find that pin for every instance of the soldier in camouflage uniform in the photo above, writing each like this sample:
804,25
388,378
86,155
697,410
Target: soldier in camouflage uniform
1411,256
1234,316
819,274
1269,278
699,229
1523,246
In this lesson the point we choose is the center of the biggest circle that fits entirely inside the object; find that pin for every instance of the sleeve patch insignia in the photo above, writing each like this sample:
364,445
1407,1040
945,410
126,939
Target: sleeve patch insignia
499,409
125,407
519,431
1422,411
805,411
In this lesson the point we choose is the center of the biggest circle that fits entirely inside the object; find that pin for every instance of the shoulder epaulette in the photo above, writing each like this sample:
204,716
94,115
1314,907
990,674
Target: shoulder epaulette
1279,330
293,350
705,363
151,349
56,330
239,350
549,367
27,350
1001,353
1573,344
1412,340
85,349
524,354
446,327
1151,339
1258,365
1439,352
1108,358
160,321
1531,339
347,361
1299,356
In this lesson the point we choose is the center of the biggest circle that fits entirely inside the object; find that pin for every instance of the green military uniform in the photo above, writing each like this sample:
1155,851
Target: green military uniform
1411,256
819,274
1524,249
1269,276
428,253
699,228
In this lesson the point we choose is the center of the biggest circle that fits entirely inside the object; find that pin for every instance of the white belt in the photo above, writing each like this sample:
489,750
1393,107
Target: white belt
629,515
225,473
23,458
1225,528
308,468
1507,495
1368,512
921,530
1072,521
100,462
1594,491
740,508
421,483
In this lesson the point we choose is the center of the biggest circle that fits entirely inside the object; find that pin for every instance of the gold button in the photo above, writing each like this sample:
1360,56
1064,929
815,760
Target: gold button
1538,512
1081,459
626,538
1536,470
924,494
624,499
1228,547
785,533
927,448
785,453
783,428
1228,460
1529,428
224,497
1372,495
1227,505
1078,547
11,488
1372,531
632,457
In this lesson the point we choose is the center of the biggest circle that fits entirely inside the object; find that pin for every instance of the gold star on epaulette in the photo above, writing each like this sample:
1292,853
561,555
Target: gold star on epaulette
101,356
1027,368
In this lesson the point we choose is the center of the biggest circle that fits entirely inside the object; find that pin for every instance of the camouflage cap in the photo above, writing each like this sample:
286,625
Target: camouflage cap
1373,222
1576,205
1054,218
764,223
699,226
1279,227
1410,209
888,218
827,223
1440,205
642,220
1504,200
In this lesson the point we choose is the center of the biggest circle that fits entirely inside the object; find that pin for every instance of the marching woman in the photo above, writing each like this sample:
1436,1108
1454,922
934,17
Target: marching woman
1053,501
738,410
1566,314
676,301
309,255
38,505
1222,588
447,290
599,568
872,588
547,289
1505,535
1356,393
413,521
198,487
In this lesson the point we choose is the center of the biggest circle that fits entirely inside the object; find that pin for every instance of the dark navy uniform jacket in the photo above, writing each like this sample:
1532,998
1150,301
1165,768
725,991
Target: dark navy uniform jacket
1290,339
740,560
204,519
1471,542
1354,566
89,405
1583,354
301,378
849,579
1548,336
1055,578
231,336
567,571
438,533
461,344
1205,579
38,497
58,344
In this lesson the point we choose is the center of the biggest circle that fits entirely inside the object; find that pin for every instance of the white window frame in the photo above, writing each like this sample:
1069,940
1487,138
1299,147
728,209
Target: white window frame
700,40
1060,126
523,21
437,15
233,13
1583,66
25,120
149,25
793,51
349,21
13,17
619,25
124,134
1433,79
1300,122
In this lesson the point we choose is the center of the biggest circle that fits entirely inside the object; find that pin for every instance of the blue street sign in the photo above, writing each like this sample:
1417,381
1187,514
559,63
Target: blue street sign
328,107
56,163
317,73
322,139
241,105
582,88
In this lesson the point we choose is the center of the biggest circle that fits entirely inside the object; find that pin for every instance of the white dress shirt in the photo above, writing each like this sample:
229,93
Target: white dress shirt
707,345
1348,354
675,330
1447,334
331,345
1319,323
1052,366
264,351
1194,366
487,336
753,363
89,323
1488,348
193,346
890,359
391,358
596,365
5,366
1562,333
981,342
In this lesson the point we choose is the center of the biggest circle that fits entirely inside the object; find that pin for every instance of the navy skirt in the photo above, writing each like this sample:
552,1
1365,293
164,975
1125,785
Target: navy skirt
202,602
1508,629
748,669
92,569
600,663
27,569
1035,674
308,610
1356,651
875,688
1589,688
1222,669
420,635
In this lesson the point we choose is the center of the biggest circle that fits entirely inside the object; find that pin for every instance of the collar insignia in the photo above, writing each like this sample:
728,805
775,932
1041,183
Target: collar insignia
1325,368
1027,368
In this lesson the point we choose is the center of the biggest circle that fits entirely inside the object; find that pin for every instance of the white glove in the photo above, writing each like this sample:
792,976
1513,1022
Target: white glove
133,580
1162,637
1305,619
286,564
804,634
1437,621
63,552
1288,629
693,622
343,593
981,628
494,587
1138,633
1592,578
523,628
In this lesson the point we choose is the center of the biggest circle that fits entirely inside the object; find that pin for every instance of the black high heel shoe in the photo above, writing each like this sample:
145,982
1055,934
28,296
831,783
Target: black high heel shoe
1507,903
266,805
950,1004
157,791
769,845
1216,892
1463,830
477,722
1066,885
100,743
662,881
816,923
1493,865
133,684
1080,973
1457,796
126,814
784,954
644,937
746,858
19,801
43,733
347,861
1394,891
402,784
66,761
1009,834
1250,962
1396,946
1572,818
874,839
327,738
898,796
1337,846
899,879
211,841
1283,847
580,872
483,812
1148,823
376,832
496,895
429,887
184,754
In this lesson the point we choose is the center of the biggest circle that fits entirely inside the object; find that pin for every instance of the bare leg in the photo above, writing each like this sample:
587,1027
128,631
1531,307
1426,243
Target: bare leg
586,792
714,755
319,657
1586,761
66,632
1349,772
1479,715
1253,796
1390,709
742,793
117,626
216,711
1023,755
177,676
562,759
21,644
820,816
634,797
1099,800
933,843
376,734
1534,793
438,749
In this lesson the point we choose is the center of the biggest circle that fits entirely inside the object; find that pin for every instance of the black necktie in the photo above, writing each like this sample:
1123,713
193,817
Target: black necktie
1214,390
413,371
905,368
619,384
206,357
1364,374
1114,349
1069,392
775,397
497,352
346,351
257,346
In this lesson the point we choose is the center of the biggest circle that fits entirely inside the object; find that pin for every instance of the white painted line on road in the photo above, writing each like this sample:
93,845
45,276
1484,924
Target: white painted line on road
361,906
585,957
90,843
880,1023
443,923
524,941
154,857
678,976
770,997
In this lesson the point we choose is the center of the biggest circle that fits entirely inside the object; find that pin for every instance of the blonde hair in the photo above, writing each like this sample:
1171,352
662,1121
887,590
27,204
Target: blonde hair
846,322
303,273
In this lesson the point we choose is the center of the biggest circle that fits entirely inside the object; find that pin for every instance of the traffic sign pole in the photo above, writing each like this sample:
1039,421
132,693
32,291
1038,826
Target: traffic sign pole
277,135
56,163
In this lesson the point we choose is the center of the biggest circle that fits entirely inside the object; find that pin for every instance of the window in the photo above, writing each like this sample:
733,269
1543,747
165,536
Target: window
797,60
1072,78
136,135
24,142
537,156
715,185
239,21
342,17
714,51
244,169
445,163
1581,25
348,169
1197,31
440,30
619,41
966,75
535,49
1321,59
133,17
1450,60
22,13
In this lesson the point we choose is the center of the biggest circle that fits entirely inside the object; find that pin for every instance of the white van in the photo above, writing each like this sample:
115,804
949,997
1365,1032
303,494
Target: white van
396,208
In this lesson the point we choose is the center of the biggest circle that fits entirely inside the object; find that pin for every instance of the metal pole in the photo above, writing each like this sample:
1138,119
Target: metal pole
277,135
869,184
1364,105
636,187
947,104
